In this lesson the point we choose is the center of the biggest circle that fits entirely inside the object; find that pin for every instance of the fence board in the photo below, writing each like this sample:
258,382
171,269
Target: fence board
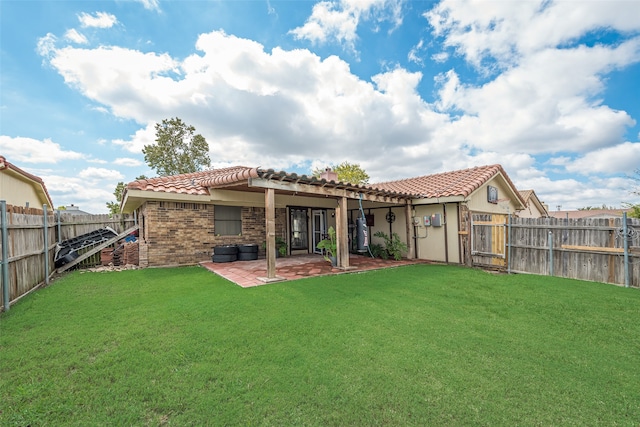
25,242
586,249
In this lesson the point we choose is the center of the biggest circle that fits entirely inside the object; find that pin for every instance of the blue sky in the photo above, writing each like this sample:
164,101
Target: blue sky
548,89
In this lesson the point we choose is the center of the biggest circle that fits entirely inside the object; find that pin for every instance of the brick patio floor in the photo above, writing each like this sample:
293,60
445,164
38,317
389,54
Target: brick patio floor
250,273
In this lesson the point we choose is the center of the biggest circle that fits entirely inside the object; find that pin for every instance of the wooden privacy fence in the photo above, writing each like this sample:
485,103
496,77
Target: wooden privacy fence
587,249
31,238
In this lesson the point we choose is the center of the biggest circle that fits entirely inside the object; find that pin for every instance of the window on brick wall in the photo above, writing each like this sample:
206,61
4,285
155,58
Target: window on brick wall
227,220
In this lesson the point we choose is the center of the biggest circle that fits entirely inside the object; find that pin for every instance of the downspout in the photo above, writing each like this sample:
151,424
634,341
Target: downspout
446,235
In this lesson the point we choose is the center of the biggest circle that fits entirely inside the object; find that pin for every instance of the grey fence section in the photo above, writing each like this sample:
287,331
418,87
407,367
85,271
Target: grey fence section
585,249
28,263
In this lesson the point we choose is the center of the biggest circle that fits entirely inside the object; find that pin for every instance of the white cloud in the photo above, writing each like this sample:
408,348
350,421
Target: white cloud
507,31
88,195
545,104
76,37
47,45
126,161
415,53
97,20
338,20
92,173
29,150
618,159
281,108
142,137
440,57
150,4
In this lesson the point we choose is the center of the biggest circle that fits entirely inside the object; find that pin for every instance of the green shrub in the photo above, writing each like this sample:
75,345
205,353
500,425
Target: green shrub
394,247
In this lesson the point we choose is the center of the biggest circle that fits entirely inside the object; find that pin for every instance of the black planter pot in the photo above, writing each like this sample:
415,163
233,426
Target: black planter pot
247,256
225,258
225,250
248,249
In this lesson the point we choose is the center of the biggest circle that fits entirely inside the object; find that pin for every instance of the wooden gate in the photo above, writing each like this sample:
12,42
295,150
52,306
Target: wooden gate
489,240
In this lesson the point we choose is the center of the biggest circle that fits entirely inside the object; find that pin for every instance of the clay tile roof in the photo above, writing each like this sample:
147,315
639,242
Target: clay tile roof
455,183
526,195
195,183
4,164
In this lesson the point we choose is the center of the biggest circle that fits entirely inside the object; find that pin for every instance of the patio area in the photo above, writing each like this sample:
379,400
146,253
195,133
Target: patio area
252,273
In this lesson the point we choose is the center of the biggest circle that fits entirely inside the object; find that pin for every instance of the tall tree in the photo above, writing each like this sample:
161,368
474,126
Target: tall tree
177,149
347,172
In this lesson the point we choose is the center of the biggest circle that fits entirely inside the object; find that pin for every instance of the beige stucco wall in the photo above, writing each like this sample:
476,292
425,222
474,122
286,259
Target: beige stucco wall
477,201
430,240
531,211
18,192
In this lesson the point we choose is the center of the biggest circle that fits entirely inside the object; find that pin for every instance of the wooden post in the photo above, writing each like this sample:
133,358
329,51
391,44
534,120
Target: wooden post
409,221
342,236
270,218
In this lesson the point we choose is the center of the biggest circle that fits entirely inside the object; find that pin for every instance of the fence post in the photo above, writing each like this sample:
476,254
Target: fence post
46,246
59,227
550,253
626,236
5,262
509,247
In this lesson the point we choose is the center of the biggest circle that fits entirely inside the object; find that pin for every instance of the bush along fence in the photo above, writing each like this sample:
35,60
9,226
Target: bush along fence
596,249
29,240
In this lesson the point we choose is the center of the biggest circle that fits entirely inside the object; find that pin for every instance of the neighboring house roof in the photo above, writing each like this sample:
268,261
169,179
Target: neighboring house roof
530,196
446,184
589,213
25,176
73,210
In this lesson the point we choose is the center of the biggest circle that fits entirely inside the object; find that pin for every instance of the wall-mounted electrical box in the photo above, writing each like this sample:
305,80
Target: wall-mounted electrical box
436,220
416,221
427,221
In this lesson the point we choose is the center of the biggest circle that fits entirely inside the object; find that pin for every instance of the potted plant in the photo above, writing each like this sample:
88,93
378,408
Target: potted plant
329,246
281,247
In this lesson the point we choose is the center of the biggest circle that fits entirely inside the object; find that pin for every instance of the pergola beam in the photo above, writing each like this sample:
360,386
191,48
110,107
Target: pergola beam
296,187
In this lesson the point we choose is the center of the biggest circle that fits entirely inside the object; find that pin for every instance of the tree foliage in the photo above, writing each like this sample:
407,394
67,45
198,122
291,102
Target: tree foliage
177,149
634,210
347,172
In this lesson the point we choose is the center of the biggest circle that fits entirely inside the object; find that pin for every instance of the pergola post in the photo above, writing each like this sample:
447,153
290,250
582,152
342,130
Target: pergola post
270,218
342,234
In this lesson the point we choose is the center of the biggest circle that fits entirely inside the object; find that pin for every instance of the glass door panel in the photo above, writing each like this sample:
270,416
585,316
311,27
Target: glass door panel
299,229
319,228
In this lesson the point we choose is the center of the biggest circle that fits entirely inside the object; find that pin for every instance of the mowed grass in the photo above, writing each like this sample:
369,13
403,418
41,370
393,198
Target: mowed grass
418,345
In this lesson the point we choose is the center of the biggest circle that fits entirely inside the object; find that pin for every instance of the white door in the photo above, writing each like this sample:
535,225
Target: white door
319,228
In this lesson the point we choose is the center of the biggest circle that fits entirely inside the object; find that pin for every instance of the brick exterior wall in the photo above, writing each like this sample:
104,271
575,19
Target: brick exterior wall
175,233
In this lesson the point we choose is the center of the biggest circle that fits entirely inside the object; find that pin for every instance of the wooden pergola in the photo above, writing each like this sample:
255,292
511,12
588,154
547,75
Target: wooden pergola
282,182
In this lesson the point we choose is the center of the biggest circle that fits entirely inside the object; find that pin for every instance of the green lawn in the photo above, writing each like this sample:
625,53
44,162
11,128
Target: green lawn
418,345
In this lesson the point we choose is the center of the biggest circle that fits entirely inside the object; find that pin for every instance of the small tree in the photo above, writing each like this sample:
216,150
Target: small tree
635,210
177,149
347,172
114,207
